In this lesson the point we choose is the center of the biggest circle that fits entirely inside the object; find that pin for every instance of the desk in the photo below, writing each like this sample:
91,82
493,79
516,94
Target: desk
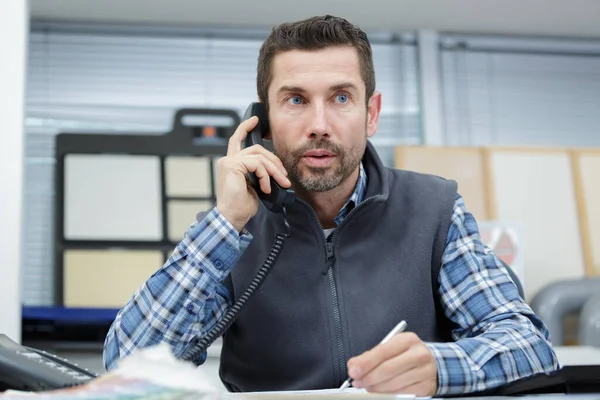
558,396
593,396
567,355
368,396
578,355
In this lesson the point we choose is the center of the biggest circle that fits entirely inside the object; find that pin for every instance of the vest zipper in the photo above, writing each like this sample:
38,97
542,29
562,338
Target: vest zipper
336,311
330,260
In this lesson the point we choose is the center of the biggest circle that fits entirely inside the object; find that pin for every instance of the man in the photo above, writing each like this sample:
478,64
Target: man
369,246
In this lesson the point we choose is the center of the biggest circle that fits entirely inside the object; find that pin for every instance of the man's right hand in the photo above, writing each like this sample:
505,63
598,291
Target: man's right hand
236,199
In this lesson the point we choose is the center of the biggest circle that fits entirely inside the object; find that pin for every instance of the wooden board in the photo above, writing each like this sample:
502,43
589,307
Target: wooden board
182,214
587,178
464,165
112,197
535,189
106,278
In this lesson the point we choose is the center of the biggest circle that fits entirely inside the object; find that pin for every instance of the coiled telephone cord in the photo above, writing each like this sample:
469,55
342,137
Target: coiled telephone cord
232,314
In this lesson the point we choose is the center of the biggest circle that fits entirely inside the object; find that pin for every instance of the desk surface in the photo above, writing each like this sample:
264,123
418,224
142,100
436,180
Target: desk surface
578,355
368,396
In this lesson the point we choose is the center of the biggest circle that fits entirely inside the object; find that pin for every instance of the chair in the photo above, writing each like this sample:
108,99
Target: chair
558,299
589,322
515,279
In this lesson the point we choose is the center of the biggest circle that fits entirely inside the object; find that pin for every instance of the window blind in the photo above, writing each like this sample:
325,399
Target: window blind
510,91
108,79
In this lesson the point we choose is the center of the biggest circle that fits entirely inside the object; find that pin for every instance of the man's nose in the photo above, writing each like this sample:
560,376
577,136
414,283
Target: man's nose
318,125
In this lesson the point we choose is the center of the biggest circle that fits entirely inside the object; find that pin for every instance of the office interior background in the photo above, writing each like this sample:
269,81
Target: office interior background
502,95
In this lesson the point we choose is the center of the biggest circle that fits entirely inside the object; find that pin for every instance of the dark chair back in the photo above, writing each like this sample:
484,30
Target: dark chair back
515,279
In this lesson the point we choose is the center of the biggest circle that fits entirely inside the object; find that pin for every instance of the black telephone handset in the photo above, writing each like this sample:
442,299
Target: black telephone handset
279,197
27,369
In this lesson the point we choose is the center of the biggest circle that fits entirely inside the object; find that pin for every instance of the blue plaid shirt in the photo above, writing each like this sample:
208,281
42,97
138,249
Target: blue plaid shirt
498,337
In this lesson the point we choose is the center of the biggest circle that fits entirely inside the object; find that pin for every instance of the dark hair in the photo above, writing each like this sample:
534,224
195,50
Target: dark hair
314,33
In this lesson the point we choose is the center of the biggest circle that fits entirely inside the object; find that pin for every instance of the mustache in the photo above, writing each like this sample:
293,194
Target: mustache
320,144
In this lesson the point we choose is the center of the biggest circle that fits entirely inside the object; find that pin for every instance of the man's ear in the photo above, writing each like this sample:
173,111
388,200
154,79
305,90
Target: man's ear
373,110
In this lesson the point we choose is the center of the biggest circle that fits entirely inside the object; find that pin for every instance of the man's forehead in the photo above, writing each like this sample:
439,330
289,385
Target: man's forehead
331,57
337,66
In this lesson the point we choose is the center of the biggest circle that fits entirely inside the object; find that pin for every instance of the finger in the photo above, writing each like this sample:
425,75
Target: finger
263,179
235,141
253,164
403,382
275,171
264,169
360,366
384,371
272,157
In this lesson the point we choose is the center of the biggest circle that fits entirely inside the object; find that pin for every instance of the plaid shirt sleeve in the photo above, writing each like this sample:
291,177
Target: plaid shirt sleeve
183,299
497,336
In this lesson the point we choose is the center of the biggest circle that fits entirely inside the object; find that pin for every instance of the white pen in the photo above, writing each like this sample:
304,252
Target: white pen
397,329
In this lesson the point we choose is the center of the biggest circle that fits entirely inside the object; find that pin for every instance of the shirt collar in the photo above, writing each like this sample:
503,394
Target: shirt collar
357,196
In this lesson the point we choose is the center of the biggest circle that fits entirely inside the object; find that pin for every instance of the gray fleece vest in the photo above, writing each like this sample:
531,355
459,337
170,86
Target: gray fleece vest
325,302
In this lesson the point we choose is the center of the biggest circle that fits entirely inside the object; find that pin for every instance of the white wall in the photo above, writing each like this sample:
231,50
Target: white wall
14,22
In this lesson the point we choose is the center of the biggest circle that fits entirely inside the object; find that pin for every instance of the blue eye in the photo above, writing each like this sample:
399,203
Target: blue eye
341,98
295,100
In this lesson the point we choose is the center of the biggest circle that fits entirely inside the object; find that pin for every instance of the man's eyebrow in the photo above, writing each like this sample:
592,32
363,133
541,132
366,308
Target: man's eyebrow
343,85
295,89
298,89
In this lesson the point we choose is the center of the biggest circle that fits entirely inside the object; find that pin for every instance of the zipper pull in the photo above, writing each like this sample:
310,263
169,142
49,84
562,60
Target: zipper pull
329,257
329,250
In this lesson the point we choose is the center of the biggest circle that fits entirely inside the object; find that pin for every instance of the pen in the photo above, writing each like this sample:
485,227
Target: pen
397,329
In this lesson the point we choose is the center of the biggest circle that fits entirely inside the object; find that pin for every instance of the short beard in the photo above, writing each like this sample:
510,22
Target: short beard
313,179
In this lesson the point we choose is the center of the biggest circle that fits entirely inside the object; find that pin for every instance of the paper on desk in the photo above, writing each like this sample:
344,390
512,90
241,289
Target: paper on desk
158,364
329,394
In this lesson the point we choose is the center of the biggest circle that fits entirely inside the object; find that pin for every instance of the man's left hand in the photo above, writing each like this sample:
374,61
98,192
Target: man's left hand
404,364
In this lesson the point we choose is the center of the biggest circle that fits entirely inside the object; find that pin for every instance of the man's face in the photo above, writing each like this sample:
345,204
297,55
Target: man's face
318,115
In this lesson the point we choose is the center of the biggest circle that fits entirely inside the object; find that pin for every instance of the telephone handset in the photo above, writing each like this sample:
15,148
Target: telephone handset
27,369
279,197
